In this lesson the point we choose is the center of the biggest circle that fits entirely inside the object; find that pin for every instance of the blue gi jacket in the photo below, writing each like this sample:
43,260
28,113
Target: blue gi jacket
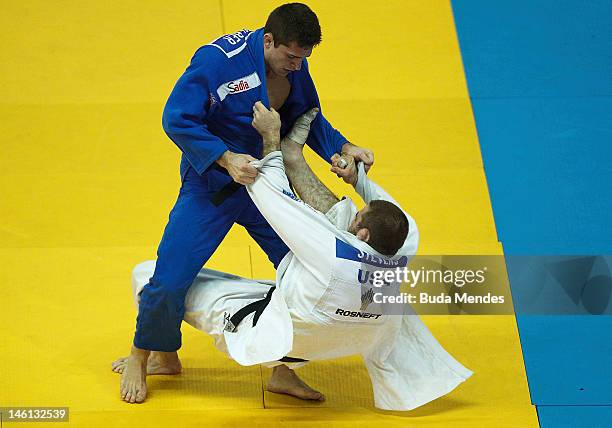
210,109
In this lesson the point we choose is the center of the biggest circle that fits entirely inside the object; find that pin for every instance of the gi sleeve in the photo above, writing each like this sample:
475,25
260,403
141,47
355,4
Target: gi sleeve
307,232
324,139
370,191
187,111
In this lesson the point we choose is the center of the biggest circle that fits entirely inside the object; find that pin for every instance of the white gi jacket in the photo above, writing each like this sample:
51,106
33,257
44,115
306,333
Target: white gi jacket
317,311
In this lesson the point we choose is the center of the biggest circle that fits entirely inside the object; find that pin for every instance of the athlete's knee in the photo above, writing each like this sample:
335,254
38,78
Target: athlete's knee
168,288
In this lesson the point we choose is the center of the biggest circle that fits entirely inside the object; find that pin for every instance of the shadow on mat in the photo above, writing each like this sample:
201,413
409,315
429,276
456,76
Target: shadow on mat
436,407
220,382
345,383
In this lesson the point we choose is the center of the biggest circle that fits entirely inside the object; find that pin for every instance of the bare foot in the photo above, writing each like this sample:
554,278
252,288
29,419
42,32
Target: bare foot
133,386
159,363
285,381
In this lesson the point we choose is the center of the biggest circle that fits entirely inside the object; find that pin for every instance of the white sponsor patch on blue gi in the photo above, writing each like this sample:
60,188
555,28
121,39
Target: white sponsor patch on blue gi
236,86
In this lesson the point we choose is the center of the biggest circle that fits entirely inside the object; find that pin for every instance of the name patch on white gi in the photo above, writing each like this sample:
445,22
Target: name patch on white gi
236,86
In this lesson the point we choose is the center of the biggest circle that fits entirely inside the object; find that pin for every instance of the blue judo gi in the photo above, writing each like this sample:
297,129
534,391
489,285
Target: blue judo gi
209,111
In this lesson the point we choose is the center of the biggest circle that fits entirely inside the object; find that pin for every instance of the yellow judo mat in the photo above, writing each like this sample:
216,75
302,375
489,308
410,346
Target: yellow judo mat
87,179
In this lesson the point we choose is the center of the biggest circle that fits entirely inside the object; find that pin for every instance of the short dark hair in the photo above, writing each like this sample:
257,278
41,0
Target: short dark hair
294,22
388,226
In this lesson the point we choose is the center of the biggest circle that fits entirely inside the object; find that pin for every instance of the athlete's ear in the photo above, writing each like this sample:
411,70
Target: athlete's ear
363,234
268,40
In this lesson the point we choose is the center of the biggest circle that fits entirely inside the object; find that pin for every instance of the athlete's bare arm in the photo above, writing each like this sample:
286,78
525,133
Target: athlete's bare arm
307,185
268,124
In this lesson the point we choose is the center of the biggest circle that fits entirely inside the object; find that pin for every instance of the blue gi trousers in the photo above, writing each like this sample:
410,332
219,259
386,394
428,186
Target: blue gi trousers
194,231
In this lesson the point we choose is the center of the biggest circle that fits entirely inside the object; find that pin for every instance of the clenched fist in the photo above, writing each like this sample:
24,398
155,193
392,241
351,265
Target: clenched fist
237,165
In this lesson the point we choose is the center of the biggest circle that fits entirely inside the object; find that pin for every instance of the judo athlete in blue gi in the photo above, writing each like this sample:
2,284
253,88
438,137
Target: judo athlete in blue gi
208,116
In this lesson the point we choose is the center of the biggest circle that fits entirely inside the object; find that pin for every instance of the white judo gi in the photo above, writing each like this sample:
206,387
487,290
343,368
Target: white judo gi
318,310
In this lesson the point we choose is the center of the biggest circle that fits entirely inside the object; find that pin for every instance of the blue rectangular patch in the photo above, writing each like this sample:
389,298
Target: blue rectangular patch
348,252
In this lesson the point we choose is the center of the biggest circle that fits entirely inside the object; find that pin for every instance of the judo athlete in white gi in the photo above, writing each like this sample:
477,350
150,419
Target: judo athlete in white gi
317,308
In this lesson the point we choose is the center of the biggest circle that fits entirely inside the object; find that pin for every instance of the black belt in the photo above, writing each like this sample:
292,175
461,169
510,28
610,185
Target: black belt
292,360
226,191
258,307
